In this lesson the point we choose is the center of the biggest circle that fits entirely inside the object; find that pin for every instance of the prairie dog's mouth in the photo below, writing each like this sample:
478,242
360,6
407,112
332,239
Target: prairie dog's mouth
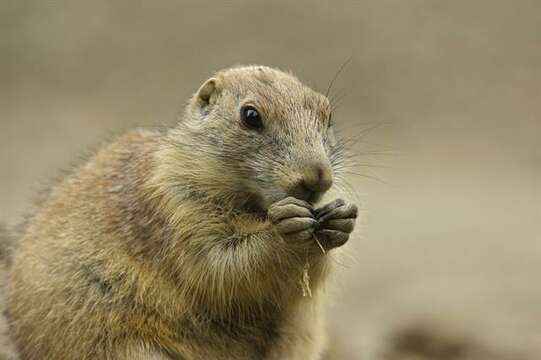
258,204
315,198
311,197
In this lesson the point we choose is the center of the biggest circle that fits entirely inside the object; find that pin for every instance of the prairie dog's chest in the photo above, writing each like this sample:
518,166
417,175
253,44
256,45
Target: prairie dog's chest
299,336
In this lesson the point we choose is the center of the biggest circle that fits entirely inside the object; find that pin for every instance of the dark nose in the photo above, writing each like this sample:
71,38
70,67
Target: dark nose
317,178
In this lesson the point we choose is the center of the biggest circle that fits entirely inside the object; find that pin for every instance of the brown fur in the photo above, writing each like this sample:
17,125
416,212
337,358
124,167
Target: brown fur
157,248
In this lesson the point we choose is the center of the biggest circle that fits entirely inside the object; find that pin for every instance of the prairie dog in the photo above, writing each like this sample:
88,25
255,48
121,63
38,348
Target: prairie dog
192,242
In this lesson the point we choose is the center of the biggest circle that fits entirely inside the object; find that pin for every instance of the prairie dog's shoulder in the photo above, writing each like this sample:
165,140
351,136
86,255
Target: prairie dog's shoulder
95,193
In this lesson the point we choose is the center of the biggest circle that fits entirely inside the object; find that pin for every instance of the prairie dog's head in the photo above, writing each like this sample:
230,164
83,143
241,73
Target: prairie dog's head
261,135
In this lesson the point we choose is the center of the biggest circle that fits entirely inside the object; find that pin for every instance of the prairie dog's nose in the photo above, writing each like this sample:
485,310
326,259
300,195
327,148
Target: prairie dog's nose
317,177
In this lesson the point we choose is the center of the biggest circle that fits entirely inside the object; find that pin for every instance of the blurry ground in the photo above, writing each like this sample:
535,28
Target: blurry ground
452,236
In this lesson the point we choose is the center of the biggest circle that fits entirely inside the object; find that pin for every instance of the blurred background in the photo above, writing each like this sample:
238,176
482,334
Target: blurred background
447,264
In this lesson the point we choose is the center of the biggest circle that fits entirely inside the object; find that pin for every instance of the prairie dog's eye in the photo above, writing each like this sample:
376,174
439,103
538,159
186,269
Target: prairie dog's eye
330,123
250,117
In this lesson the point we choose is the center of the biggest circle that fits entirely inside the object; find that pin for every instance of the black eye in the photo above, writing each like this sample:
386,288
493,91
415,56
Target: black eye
330,120
250,118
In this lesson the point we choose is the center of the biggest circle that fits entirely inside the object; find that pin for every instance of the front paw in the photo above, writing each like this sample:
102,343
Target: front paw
293,219
336,222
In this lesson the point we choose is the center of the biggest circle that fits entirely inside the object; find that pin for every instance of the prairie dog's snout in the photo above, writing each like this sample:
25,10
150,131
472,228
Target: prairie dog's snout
314,180
317,177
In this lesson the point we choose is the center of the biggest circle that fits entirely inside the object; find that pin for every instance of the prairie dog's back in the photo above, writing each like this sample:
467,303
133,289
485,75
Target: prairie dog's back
7,351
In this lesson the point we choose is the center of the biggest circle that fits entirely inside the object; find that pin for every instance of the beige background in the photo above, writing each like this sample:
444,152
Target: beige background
451,233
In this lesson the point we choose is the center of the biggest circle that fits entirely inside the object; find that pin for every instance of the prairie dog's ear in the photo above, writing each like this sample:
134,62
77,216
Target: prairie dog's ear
207,93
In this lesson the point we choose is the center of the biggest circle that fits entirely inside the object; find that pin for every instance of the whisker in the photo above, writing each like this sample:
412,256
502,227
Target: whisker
344,64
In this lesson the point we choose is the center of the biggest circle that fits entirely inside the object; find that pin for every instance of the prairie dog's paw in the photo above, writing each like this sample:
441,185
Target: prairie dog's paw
336,221
293,219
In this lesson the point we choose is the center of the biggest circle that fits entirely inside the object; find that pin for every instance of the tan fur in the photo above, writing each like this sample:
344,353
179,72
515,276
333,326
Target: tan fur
146,251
